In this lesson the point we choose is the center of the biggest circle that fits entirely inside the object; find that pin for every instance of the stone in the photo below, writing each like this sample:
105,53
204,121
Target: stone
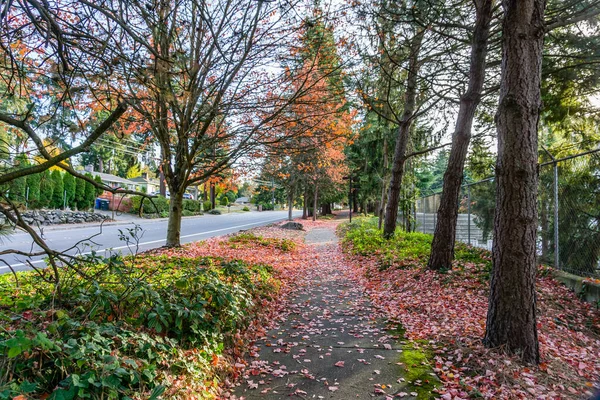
296,226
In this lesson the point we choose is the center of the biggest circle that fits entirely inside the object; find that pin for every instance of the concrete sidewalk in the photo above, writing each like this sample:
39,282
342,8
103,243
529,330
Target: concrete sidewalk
331,345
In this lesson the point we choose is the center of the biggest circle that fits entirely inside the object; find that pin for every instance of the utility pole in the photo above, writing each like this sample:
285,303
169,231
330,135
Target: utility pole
349,179
273,193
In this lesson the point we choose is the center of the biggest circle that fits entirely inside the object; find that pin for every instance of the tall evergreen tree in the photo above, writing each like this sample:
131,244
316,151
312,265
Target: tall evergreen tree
33,184
58,191
89,194
511,319
80,194
69,186
46,189
18,187
442,248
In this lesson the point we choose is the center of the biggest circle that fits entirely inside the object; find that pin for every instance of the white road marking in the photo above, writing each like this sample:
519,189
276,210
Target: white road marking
155,241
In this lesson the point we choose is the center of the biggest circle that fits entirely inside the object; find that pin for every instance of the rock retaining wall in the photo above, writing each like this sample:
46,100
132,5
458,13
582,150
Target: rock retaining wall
54,217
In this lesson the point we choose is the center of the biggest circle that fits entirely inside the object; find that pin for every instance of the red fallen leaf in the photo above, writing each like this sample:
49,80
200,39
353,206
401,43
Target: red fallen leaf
28,315
339,364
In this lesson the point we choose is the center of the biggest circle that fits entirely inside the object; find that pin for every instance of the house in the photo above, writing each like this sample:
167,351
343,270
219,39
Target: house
118,202
242,200
115,181
145,184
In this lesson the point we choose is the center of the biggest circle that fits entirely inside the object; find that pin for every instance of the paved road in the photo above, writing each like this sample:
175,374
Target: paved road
152,235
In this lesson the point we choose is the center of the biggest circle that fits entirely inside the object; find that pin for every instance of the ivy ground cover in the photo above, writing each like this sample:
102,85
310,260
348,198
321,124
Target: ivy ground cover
146,327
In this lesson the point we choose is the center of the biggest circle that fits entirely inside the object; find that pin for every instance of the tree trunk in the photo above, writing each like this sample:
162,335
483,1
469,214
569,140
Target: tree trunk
410,97
315,199
442,248
305,205
174,223
213,197
381,207
290,204
511,318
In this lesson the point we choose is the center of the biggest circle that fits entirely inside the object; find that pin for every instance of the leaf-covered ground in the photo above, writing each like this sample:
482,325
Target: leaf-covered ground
446,312
440,319
443,314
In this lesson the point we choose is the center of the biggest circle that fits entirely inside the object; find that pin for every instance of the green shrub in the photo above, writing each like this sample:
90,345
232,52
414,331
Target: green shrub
157,205
187,213
215,212
267,206
191,205
367,239
207,205
224,201
129,327
245,208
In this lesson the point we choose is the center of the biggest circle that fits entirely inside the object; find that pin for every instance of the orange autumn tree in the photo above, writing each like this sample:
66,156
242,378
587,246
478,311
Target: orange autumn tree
317,126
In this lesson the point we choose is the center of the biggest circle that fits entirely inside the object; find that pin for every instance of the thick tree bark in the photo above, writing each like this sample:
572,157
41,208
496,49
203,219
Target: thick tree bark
511,318
174,223
410,97
442,248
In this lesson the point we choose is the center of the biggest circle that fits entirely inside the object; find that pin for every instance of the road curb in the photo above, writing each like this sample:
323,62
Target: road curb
64,227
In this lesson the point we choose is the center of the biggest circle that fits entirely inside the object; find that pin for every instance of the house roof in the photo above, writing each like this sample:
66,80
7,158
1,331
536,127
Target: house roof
242,200
112,178
140,179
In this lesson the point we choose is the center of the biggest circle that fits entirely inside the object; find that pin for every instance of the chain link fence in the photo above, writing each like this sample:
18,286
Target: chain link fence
568,213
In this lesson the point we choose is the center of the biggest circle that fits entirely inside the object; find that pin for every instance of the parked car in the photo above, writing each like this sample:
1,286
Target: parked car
187,196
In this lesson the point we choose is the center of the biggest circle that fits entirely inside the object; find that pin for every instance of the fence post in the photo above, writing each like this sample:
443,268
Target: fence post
434,212
469,214
556,245
423,212
26,197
